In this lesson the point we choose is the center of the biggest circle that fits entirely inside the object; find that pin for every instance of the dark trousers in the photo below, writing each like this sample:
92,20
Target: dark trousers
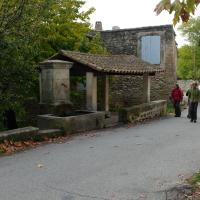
177,108
193,110
189,110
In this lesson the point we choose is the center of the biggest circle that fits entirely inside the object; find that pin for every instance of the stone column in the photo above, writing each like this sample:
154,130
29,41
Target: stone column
106,93
91,94
55,82
146,88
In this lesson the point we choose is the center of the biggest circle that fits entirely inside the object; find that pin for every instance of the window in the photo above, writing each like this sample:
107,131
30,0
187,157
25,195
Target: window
150,49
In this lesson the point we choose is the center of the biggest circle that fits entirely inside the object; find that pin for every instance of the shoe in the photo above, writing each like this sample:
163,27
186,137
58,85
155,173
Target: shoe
195,121
191,120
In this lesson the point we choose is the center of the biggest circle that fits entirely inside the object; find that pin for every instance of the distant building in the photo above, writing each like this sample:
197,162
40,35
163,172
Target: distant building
115,28
154,44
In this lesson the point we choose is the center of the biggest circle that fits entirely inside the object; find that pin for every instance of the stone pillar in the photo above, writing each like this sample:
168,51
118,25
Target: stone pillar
106,93
91,96
55,82
146,88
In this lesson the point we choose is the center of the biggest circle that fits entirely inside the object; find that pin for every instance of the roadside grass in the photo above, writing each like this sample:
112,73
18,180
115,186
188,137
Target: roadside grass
195,179
170,107
2,151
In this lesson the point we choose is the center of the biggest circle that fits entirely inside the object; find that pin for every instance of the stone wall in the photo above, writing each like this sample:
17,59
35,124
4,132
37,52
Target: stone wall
125,91
128,90
143,111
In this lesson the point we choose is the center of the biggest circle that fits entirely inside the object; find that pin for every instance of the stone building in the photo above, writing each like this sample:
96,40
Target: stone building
55,90
156,45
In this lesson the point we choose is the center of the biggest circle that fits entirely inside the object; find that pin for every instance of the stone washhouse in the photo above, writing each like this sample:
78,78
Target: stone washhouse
55,90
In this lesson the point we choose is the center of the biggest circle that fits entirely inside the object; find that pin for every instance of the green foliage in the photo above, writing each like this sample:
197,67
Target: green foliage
191,31
64,26
31,31
189,62
195,179
2,151
182,9
170,107
93,44
189,55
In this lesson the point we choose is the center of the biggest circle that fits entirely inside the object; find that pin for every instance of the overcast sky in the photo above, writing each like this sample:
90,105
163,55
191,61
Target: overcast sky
129,14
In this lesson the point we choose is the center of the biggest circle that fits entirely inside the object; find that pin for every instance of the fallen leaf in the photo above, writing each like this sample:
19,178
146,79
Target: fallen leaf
40,165
18,144
142,195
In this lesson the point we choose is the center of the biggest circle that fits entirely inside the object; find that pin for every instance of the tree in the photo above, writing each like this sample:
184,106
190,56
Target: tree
182,9
64,26
189,62
191,31
33,30
189,55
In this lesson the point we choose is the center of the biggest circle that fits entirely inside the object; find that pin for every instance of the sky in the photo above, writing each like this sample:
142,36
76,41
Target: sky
130,14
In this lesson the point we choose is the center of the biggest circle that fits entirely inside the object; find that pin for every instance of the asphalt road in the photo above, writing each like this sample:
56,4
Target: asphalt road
115,164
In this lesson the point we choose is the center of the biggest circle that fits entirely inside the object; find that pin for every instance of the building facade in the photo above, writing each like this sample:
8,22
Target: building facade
155,45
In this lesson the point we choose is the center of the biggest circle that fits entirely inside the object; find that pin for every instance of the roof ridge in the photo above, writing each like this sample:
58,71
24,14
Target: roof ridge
140,28
94,54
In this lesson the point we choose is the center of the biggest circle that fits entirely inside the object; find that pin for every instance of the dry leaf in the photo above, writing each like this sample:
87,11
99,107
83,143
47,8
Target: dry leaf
142,195
40,165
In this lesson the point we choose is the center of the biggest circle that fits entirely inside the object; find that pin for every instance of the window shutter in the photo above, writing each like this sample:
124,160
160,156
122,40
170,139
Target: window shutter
150,49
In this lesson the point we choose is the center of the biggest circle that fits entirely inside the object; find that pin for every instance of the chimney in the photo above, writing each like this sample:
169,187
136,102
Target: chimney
115,28
98,26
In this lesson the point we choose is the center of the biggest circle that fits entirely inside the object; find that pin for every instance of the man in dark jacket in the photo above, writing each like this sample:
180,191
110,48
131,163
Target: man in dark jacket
188,94
194,99
177,97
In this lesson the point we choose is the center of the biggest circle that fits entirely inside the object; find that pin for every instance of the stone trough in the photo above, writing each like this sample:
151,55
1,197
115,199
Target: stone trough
81,121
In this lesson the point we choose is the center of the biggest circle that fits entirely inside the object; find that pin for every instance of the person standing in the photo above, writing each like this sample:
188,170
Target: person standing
188,94
194,99
177,97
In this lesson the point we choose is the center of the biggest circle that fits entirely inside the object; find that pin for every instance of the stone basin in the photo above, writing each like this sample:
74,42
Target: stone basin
80,121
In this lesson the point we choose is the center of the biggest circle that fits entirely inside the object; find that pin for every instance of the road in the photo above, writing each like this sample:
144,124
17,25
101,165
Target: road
124,163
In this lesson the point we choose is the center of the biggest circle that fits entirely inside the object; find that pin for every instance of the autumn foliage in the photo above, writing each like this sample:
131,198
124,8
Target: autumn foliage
8,146
182,9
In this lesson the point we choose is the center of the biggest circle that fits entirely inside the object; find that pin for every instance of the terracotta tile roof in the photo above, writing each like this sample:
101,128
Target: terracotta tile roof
112,64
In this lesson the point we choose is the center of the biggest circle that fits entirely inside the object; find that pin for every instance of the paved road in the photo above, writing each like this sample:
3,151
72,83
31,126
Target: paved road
115,164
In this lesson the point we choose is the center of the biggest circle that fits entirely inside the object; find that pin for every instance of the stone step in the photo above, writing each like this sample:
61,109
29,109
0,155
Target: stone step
19,133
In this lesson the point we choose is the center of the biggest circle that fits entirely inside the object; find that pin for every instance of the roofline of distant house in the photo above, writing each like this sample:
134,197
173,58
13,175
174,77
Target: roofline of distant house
140,28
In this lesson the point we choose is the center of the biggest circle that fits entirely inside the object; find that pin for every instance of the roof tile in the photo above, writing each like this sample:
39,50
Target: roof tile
119,64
